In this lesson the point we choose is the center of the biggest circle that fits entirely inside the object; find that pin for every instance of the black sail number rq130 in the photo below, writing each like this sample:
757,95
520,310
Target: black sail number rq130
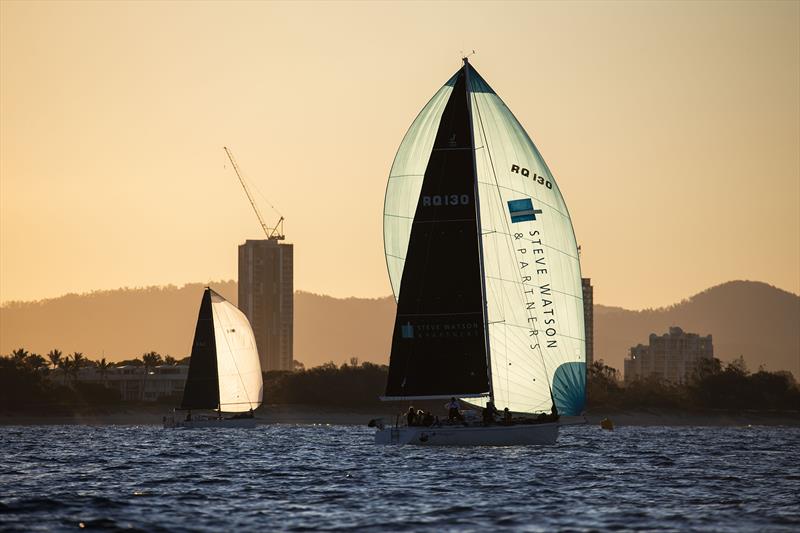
438,344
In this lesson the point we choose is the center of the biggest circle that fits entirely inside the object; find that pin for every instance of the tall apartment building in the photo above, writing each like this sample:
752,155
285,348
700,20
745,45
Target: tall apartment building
671,357
266,297
588,318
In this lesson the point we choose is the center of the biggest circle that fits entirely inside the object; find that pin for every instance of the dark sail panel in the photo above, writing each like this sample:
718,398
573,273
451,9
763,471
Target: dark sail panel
202,383
438,345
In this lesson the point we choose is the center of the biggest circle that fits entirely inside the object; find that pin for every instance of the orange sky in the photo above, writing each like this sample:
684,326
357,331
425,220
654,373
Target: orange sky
672,128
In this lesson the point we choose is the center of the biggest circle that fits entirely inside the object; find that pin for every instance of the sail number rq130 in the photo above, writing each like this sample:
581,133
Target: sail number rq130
445,199
536,177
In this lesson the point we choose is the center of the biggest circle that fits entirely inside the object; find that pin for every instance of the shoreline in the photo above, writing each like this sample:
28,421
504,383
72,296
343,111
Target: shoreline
301,414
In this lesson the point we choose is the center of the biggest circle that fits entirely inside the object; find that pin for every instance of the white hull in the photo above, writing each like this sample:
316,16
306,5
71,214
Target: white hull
521,434
210,423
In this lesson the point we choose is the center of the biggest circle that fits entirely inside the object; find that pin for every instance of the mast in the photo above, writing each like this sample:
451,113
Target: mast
480,234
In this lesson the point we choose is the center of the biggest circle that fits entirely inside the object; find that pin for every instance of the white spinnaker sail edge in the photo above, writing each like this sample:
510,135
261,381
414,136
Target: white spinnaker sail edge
241,386
531,286
405,182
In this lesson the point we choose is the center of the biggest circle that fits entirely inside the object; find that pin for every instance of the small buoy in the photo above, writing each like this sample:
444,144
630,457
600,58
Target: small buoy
606,423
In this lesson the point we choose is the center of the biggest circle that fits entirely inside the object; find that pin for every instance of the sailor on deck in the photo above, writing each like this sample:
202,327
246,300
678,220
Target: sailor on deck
454,410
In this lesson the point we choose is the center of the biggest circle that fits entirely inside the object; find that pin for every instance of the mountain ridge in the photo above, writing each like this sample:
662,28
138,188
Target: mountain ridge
748,318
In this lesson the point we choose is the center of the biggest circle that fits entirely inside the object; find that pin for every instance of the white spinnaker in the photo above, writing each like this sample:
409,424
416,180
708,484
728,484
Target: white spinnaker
405,182
240,383
523,364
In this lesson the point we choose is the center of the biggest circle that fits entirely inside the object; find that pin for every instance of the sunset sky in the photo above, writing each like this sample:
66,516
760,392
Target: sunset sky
672,128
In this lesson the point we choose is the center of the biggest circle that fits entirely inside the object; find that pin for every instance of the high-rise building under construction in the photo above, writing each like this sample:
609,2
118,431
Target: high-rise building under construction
266,291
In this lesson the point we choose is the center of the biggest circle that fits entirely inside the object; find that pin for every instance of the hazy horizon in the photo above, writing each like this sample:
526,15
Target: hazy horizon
672,129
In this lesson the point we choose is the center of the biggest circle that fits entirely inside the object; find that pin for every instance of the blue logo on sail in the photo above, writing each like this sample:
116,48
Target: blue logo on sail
522,210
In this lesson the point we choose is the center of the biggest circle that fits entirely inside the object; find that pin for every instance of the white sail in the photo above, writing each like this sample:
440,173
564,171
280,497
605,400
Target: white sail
405,182
532,270
241,387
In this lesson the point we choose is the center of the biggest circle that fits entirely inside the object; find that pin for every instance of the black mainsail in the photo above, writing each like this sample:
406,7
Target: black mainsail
439,346
202,383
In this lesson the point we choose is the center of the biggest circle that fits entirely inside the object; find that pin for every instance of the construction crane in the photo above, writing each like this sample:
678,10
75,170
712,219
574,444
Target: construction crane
274,233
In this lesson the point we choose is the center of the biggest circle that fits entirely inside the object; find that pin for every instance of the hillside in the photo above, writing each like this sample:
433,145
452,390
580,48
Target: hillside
752,319
125,323
748,318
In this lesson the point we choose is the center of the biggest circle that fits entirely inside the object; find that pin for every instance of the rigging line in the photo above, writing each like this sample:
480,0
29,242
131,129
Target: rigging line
478,230
233,358
528,366
537,244
522,345
505,221
512,325
429,221
443,220
406,176
438,314
533,286
562,335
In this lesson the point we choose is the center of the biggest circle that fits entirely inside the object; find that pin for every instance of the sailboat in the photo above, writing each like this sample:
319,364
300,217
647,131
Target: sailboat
224,369
484,266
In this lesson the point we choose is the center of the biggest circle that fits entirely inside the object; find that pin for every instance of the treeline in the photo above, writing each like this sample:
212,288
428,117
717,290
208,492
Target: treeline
31,383
712,385
351,385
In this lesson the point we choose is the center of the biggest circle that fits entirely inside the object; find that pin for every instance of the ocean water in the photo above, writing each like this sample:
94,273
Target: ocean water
296,478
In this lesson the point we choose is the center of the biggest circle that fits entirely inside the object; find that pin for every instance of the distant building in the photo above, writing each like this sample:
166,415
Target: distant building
588,318
266,297
132,382
670,357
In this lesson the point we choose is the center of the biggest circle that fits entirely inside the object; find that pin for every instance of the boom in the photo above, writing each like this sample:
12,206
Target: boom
275,233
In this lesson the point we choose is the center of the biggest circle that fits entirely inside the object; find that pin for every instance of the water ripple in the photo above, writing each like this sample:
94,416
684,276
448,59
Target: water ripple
302,478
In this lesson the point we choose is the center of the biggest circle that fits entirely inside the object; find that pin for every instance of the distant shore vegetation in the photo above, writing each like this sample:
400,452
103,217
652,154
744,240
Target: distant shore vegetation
52,384
32,383
712,385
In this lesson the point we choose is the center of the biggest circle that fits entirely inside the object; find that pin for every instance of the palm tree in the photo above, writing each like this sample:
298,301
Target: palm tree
55,357
78,359
169,360
103,367
19,355
66,366
151,360
73,367
35,362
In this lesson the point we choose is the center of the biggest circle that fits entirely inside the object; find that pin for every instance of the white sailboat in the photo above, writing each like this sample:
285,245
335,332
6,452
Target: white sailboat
224,370
484,266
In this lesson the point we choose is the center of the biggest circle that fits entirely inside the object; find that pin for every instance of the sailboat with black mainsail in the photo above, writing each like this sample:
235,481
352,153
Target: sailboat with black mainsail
484,266
224,369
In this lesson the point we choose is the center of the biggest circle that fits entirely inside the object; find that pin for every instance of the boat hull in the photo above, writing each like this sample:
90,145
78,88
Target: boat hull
515,435
243,423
